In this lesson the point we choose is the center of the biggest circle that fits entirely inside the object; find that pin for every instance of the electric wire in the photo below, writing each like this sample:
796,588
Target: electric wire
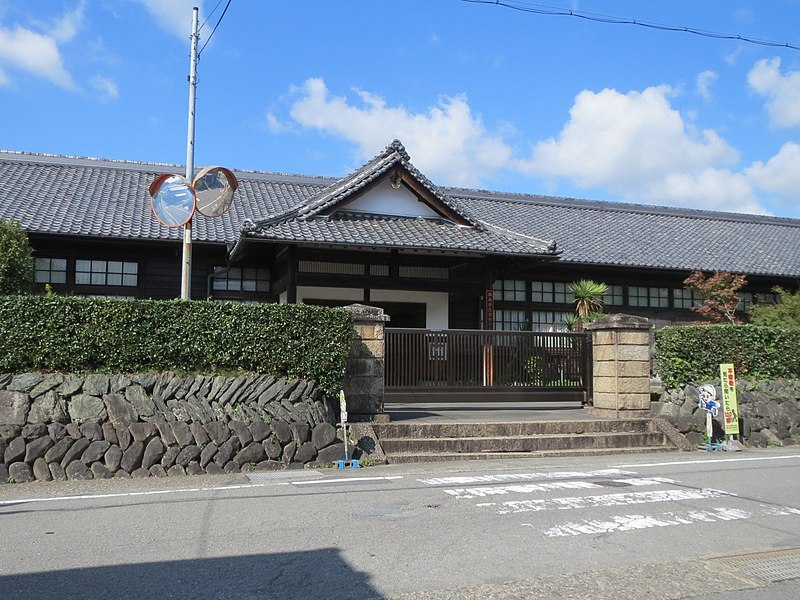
222,16
213,10
539,9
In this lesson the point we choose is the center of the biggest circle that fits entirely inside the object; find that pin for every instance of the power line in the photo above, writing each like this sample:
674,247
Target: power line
222,16
539,9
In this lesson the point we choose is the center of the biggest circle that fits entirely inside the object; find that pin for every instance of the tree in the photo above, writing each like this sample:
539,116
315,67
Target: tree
588,299
719,293
16,259
785,314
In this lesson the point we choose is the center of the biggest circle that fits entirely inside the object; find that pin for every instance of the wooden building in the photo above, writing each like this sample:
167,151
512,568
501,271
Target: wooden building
386,236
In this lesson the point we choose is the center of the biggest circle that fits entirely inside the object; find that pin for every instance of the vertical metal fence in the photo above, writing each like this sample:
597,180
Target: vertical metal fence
428,365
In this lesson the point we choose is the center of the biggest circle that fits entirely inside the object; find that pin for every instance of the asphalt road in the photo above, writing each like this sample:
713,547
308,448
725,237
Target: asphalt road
671,525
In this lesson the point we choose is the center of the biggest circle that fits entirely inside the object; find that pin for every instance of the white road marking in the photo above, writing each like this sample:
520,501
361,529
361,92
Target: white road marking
147,493
529,488
194,490
347,480
708,461
632,522
508,477
582,502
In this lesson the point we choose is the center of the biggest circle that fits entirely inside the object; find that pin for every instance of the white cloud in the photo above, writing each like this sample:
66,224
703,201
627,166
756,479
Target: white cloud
782,91
704,81
106,88
633,145
67,27
174,16
781,173
447,141
36,53
624,141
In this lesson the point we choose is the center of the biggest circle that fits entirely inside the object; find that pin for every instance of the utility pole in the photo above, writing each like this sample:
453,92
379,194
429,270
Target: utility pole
186,270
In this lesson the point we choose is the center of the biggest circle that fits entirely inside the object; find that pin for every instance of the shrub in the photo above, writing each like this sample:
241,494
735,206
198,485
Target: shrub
786,313
16,259
82,334
693,353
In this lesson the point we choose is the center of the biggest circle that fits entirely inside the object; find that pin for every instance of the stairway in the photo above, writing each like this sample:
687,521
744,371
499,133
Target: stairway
408,442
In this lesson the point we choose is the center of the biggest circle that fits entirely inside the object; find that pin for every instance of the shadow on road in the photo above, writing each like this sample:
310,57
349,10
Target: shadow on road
320,573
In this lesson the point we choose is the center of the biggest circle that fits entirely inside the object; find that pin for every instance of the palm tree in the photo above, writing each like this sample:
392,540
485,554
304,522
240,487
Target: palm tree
588,298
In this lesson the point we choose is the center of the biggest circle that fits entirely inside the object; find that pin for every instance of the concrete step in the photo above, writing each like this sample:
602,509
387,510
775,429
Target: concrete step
437,457
462,430
520,443
407,442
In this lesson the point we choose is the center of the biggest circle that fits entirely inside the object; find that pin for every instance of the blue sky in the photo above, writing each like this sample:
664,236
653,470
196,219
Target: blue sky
481,95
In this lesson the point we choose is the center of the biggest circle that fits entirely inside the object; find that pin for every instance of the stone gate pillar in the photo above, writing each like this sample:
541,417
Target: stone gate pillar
364,381
620,366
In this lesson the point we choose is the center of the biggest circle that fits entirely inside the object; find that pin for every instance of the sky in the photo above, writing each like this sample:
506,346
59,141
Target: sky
482,95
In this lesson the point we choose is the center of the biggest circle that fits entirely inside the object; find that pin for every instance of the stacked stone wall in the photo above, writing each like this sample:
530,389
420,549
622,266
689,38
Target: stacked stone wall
57,426
769,412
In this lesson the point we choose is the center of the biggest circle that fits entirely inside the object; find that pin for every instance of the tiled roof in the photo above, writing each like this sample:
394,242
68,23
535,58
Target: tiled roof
633,235
317,222
110,199
101,198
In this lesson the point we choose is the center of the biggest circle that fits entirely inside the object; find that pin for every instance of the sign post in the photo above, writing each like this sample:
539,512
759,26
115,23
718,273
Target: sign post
730,405
343,418
708,402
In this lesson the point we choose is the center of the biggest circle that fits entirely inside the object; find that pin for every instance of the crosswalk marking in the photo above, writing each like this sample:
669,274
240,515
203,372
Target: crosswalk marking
473,487
509,477
481,492
581,502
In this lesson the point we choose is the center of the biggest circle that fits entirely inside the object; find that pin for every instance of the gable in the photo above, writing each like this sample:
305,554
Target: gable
385,199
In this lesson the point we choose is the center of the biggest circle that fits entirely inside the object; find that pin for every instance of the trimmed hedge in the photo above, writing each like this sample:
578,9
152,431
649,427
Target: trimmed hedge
83,335
693,353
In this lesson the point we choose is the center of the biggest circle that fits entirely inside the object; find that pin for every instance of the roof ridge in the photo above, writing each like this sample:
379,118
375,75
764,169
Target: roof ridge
621,206
111,163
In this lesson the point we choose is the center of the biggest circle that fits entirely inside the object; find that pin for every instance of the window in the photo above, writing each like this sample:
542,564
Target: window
549,292
106,272
241,279
686,298
653,297
510,320
50,270
749,299
543,320
416,272
613,297
509,289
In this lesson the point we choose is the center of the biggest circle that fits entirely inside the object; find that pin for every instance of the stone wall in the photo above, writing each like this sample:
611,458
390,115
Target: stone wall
769,412
55,426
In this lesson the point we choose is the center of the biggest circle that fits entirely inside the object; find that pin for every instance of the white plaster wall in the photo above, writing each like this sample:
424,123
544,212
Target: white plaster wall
385,200
329,293
437,304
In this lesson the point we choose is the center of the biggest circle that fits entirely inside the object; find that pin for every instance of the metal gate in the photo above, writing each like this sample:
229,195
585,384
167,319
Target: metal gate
463,365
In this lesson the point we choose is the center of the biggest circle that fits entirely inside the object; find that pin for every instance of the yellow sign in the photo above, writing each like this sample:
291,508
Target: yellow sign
730,405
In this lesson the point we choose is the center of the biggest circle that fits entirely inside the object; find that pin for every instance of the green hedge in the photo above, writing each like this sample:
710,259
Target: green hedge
693,353
81,334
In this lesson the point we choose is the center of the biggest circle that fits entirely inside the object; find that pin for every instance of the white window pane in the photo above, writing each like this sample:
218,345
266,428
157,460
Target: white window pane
83,266
98,266
220,284
58,277
42,277
82,278
98,278
130,268
114,266
129,280
58,264
114,279
248,285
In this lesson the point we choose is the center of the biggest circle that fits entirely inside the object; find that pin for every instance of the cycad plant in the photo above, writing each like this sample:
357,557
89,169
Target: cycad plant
588,299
